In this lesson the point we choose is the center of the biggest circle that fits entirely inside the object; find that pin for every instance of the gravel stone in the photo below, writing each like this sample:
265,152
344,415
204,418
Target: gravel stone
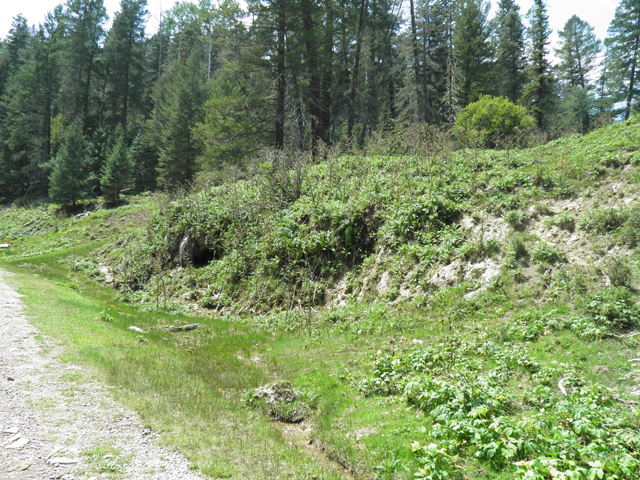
45,414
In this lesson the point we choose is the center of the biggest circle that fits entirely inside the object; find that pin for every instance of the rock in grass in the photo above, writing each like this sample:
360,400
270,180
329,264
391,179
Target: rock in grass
183,328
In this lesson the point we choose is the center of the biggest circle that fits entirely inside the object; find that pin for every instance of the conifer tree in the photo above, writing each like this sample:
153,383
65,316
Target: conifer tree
623,44
117,170
70,178
538,93
578,52
472,52
84,21
510,52
124,52
177,115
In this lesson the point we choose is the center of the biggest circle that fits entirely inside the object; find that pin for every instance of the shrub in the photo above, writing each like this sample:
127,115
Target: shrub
564,221
630,231
547,254
606,220
518,246
493,119
613,308
618,271
516,218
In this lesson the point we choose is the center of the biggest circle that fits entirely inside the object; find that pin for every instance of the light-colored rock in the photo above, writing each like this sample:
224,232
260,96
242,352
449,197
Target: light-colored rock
62,461
18,444
107,273
383,285
483,272
449,274
138,329
19,466
11,431
13,438
364,432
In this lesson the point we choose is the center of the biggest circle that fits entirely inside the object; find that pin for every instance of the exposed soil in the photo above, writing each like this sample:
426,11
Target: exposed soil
57,422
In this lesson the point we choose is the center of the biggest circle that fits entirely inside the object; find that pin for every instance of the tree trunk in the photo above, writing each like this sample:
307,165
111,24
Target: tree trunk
416,64
356,66
627,112
311,45
281,81
327,78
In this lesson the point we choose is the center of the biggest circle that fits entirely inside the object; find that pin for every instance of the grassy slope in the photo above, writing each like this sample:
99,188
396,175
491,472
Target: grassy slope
370,364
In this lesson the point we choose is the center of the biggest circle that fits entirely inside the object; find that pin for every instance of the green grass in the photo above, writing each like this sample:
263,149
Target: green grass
188,386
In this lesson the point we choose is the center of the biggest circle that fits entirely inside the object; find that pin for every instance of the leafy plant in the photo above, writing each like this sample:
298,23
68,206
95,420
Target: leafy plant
492,119
618,271
606,220
516,218
563,220
547,254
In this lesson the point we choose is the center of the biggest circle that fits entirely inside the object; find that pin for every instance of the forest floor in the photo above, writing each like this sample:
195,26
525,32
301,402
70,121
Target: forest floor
58,422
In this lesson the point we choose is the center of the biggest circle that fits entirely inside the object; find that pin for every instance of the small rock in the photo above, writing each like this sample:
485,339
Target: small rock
107,457
14,437
11,431
364,432
21,442
11,379
19,467
63,461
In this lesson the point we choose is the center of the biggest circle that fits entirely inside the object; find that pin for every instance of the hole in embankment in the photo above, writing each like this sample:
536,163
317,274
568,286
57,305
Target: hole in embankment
203,257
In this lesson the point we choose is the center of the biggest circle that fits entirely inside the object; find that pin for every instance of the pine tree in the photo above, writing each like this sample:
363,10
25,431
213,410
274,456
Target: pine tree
510,52
538,93
144,159
84,20
472,51
436,20
181,109
69,180
117,170
578,52
623,44
124,52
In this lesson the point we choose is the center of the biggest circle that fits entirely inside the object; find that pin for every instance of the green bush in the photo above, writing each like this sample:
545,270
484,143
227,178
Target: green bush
613,308
492,120
630,231
606,220
516,218
547,254
564,221
619,271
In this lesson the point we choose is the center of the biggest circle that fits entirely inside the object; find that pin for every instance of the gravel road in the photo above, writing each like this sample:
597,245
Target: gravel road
57,422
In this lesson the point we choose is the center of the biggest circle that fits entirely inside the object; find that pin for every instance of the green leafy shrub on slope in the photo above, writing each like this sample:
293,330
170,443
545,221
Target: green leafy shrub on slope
491,120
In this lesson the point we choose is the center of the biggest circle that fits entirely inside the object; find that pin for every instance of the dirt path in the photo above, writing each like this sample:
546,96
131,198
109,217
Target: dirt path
56,422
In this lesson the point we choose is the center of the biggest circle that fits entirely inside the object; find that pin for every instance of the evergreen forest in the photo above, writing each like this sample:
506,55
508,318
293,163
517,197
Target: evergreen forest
87,110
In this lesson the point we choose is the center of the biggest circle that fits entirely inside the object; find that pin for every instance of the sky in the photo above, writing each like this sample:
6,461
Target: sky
598,13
